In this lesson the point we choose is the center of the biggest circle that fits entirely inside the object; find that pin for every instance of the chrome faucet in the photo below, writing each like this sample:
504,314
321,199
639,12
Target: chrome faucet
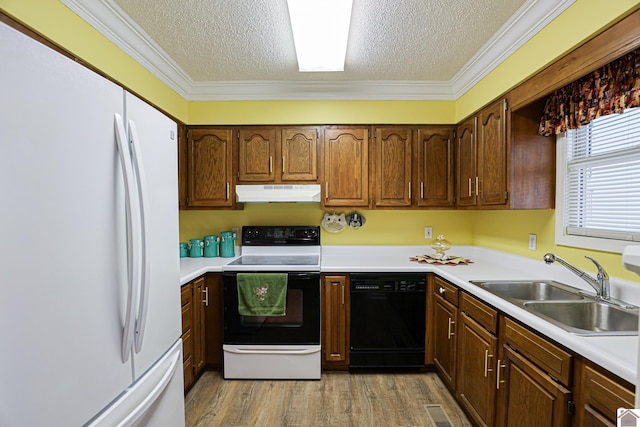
600,284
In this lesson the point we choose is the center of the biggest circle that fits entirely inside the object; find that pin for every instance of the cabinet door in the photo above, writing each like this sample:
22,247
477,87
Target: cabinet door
492,154
299,154
530,397
434,163
445,317
476,383
346,154
210,167
199,299
256,154
335,328
393,147
186,293
466,163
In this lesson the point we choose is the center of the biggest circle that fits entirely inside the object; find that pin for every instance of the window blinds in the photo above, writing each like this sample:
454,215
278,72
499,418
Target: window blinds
602,184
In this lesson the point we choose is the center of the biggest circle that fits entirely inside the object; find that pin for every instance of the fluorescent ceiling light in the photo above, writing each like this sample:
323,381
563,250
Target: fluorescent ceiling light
320,31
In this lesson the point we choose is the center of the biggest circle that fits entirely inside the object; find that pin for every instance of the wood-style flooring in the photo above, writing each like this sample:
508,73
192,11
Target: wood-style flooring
338,399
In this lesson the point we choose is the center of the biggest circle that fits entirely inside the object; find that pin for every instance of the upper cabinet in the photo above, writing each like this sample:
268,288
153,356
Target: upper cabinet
346,167
433,165
481,158
393,157
299,154
278,154
210,177
256,153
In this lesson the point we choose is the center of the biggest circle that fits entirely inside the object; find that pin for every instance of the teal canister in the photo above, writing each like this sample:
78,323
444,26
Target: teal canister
211,246
227,242
184,250
195,248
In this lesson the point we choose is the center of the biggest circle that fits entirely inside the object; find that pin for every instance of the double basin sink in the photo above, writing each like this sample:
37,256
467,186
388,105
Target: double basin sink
567,307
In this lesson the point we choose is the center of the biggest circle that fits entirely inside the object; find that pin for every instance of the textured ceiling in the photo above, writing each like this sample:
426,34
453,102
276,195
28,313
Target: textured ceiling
238,40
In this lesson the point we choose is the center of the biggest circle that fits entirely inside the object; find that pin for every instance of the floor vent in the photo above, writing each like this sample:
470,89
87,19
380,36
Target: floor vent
438,416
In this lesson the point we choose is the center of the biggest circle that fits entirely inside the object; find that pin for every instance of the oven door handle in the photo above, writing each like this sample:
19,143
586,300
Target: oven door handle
263,350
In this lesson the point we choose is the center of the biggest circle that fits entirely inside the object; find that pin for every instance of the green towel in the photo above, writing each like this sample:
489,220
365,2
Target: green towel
262,294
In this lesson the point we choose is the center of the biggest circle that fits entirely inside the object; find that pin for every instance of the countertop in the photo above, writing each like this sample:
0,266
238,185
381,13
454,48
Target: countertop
616,354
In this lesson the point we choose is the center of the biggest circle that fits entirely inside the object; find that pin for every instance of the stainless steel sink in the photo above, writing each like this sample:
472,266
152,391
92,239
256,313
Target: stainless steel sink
532,290
587,317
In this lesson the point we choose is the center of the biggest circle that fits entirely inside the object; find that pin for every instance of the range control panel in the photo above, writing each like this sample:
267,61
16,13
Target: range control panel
300,235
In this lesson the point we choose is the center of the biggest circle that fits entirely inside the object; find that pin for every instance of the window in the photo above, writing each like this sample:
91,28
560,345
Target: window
598,205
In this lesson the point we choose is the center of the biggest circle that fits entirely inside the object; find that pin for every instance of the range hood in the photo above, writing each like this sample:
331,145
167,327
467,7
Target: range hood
278,193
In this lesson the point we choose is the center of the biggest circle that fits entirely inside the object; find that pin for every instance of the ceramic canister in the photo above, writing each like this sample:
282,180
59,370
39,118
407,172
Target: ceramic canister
183,250
227,242
195,248
211,246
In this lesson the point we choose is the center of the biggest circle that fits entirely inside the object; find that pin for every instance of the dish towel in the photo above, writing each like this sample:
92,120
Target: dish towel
262,294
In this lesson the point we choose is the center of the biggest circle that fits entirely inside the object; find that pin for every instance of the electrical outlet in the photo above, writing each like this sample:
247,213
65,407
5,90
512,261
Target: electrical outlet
428,233
533,242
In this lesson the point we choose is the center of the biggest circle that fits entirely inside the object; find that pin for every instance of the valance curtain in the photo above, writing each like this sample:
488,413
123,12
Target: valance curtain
609,89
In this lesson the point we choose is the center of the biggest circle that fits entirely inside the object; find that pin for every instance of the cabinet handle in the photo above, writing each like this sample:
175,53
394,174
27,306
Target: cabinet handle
227,195
441,290
486,363
205,291
477,193
326,190
270,164
342,294
450,332
469,187
498,380
409,190
422,190
282,164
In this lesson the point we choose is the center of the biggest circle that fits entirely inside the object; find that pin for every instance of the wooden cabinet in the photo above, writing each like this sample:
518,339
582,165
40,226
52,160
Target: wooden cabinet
299,155
481,153
434,165
393,159
278,154
599,395
196,309
477,355
200,298
533,378
187,334
211,169
444,332
256,153
346,167
335,321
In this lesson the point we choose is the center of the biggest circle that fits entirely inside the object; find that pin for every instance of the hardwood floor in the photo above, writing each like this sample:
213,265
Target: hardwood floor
338,399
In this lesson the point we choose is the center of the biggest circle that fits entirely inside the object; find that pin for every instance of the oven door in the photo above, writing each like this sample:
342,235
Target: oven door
300,325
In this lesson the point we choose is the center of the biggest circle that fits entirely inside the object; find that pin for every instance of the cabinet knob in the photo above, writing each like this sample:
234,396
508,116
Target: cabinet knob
441,290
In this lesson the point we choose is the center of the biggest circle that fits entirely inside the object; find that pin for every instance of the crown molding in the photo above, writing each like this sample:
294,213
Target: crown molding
112,22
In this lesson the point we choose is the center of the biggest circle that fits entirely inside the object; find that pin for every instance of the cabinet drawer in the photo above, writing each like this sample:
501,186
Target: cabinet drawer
480,312
550,358
187,345
446,290
187,317
604,394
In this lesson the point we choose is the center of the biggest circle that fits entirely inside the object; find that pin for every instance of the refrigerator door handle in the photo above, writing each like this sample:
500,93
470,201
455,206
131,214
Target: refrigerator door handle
132,219
145,260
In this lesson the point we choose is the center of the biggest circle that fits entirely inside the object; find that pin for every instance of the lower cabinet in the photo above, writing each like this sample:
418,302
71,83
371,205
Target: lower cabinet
335,322
444,321
476,368
600,395
201,326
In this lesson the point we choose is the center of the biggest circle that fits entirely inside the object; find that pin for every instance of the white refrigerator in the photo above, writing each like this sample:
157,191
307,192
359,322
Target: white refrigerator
89,280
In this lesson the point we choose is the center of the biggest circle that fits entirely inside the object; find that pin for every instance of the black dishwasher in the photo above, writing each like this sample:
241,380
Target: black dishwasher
387,320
